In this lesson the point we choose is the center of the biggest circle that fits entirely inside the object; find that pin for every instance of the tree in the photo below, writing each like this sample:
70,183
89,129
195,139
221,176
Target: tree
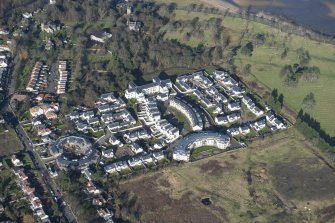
260,39
291,81
281,100
172,7
303,56
309,101
287,70
284,54
311,74
274,95
247,49
247,69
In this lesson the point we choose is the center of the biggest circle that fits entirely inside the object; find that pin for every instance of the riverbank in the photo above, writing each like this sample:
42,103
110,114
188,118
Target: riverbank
230,9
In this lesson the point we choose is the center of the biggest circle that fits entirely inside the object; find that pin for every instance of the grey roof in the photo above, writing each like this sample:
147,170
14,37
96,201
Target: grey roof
189,139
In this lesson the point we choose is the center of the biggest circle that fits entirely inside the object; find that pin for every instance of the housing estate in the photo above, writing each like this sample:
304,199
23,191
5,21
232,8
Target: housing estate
64,73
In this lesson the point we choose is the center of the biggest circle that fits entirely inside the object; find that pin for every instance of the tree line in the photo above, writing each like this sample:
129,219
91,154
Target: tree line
315,125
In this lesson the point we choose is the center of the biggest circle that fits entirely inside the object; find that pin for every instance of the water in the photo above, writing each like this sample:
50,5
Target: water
310,13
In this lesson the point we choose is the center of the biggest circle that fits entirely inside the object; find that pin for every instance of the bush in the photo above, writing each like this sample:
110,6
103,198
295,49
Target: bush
309,101
247,49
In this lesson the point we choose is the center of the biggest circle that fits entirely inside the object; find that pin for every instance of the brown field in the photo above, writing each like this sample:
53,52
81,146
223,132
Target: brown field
279,179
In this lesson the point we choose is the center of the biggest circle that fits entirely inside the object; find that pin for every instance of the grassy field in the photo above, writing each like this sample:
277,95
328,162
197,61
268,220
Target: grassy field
266,65
181,118
9,143
266,60
279,179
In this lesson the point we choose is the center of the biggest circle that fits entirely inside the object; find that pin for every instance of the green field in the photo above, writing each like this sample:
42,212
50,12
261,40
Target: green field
9,143
266,65
263,183
266,60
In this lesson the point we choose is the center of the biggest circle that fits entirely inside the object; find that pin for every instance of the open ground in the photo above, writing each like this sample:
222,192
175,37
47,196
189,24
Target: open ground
9,142
276,179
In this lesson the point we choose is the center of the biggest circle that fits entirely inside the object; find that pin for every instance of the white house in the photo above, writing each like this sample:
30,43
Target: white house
101,36
181,155
221,120
234,117
87,115
108,97
244,129
92,189
136,148
233,131
159,155
134,161
108,153
121,165
16,161
234,106
147,158
258,124
114,141
134,26
105,213
156,87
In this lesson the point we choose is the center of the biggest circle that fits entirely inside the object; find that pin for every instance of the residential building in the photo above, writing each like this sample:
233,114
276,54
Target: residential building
16,161
235,105
221,120
134,161
156,87
92,189
136,148
108,153
244,129
64,73
158,156
101,36
134,26
50,27
232,117
252,106
258,124
183,149
105,213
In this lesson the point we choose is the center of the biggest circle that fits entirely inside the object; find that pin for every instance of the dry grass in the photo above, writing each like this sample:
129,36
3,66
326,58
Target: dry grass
246,185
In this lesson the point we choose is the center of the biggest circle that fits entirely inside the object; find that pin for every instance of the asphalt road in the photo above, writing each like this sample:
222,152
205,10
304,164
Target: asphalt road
10,118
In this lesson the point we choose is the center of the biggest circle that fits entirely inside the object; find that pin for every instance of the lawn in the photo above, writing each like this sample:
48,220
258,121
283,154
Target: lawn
9,142
186,126
204,151
266,60
266,65
262,183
